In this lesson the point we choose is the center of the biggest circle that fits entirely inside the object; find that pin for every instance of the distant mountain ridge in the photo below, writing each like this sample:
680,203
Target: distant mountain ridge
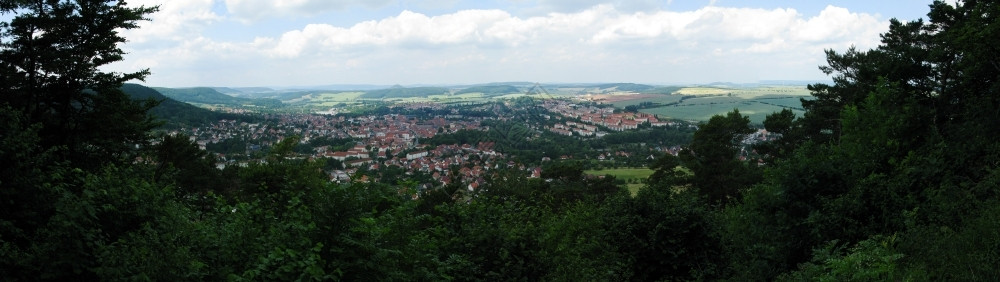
404,92
172,112
491,90
211,96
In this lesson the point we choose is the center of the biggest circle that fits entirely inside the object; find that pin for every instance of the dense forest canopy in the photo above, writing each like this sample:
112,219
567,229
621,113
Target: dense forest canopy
889,175
405,92
491,90
207,95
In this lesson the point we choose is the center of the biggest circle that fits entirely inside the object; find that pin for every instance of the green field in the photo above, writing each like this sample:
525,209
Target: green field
701,103
757,111
658,99
625,174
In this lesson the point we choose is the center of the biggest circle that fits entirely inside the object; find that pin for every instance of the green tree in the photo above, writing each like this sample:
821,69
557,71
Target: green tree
664,235
713,157
179,161
50,55
64,121
902,144
785,125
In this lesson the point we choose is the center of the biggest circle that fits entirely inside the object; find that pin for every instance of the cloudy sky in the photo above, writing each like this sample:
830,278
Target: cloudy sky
409,42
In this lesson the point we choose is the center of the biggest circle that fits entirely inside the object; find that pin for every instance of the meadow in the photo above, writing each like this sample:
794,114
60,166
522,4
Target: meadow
701,103
626,174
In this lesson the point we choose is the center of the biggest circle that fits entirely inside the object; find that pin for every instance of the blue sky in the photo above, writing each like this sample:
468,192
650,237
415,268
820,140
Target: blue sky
322,42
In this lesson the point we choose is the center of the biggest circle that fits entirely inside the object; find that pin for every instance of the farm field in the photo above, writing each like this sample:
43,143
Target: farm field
329,99
704,91
704,109
701,103
686,103
656,99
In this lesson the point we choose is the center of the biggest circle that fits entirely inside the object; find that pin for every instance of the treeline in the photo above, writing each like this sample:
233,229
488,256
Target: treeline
889,175
404,92
491,90
516,141
207,95
175,114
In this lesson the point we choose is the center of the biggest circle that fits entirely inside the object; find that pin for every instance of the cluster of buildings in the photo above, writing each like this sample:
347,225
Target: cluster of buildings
594,116
570,127
393,140
381,141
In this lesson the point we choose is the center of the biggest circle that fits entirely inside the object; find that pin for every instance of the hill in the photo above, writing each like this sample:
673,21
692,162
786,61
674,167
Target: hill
629,87
662,90
404,92
207,95
491,90
174,113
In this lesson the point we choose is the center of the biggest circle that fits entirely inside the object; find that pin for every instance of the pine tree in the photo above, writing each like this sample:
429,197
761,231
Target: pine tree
50,58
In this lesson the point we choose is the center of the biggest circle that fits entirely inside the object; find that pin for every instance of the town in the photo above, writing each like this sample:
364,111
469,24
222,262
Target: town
356,147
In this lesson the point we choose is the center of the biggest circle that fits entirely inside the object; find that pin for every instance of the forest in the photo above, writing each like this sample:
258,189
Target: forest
890,174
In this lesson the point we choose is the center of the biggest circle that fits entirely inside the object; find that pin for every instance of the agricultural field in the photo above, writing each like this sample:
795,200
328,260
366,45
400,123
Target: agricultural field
697,91
686,103
701,103
703,112
441,98
333,99
656,99
770,91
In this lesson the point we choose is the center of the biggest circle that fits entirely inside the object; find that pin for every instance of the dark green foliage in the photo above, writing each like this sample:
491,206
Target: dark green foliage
191,170
105,226
333,144
890,175
515,139
783,124
491,90
231,147
206,95
714,154
664,136
51,76
631,87
663,235
903,145
405,92
174,113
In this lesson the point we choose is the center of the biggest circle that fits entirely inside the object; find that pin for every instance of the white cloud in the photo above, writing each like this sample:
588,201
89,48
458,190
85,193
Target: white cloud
598,43
253,10
408,28
731,29
835,23
175,19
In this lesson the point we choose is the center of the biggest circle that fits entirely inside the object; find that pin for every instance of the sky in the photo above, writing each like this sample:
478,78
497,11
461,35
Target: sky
300,43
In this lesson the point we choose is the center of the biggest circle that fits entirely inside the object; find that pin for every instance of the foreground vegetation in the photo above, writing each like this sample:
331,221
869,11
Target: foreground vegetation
890,174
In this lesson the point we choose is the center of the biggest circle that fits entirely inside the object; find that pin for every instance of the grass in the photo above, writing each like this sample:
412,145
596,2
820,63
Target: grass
660,99
756,103
703,112
338,97
704,91
634,188
623,173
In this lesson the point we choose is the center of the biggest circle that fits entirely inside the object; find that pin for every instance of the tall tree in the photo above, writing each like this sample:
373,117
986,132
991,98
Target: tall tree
50,58
61,116
713,156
